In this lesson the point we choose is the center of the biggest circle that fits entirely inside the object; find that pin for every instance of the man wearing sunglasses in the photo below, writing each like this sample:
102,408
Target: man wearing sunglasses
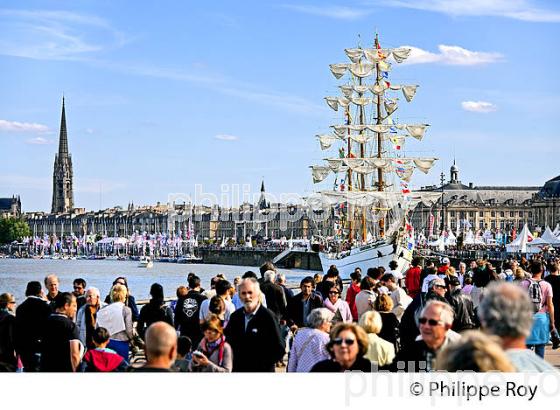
79,286
435,323
408,329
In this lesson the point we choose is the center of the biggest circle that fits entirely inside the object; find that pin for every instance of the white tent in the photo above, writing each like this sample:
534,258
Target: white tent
550,238
557,230
520,243
439,243
451,239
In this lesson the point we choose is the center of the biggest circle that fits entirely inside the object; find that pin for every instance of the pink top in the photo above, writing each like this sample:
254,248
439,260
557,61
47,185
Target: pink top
546,290
341,306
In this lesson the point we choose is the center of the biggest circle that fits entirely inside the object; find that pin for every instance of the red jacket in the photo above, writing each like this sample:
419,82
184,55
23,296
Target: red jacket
103,361
412,281
351,293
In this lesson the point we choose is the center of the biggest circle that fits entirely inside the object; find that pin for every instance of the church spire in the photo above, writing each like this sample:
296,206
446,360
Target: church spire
263,203
63,195
63,139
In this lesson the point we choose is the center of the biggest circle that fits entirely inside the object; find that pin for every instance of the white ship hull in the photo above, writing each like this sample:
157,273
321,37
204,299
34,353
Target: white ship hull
366,257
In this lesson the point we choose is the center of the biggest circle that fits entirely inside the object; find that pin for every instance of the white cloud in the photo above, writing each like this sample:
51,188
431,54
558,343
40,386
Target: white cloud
55,35
12,126
39,141
478,106
525,10
336,12
226,137
452,55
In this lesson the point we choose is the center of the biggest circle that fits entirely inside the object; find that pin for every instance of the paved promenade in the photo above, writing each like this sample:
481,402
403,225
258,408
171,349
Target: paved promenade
552,356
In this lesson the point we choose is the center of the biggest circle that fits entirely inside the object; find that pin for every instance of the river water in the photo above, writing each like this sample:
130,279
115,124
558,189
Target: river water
15,273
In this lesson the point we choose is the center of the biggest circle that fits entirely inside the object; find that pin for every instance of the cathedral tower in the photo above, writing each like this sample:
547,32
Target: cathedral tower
63,195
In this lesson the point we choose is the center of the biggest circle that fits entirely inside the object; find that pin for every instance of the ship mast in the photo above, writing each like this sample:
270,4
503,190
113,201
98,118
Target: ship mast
349,175
379,135
362,176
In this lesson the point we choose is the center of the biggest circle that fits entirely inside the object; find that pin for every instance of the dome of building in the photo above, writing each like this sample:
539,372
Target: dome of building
551,188
454,168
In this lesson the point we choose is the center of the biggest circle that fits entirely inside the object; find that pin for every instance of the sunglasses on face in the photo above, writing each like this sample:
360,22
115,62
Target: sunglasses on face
334,293
441,286
338,341
430,322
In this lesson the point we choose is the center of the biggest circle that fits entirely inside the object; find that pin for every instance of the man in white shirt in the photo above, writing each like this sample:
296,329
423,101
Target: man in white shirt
394,270
400,299
222,288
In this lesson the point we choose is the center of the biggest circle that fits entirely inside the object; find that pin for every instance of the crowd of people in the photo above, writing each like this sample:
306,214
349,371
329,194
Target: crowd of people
477,317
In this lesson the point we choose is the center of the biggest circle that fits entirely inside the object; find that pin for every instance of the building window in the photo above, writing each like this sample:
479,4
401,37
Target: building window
502,214
481,225
493,214
453,214
530,214
481,213
511,214
493,224
471,214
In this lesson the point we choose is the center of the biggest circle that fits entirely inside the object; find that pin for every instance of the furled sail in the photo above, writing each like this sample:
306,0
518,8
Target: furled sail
326,140
319,173
334,102
415,130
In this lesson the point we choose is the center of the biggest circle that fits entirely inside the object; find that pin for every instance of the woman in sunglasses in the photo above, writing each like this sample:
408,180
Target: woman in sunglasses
347,347
339,307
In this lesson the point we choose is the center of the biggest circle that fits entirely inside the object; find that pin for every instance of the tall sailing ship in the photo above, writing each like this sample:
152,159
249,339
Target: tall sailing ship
370,197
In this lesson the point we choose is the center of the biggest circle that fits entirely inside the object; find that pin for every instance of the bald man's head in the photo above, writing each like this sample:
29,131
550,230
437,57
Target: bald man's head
161,343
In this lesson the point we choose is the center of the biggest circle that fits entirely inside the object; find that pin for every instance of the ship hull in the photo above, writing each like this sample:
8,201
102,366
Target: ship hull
367,257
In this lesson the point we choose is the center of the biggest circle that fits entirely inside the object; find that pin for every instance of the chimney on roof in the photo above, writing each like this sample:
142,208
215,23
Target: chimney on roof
470,185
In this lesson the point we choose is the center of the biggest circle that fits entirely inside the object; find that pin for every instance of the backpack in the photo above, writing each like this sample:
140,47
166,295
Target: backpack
535,294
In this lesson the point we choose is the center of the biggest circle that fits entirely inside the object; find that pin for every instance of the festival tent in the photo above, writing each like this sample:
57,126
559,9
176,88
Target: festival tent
439,243
520,243
451,239
469,238
557,231
549,237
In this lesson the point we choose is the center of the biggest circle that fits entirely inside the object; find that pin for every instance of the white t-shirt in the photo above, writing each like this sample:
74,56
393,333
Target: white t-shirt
427,281
205,311
396,273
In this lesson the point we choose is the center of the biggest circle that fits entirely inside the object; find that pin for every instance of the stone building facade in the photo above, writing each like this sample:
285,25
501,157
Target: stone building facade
10,207
483,207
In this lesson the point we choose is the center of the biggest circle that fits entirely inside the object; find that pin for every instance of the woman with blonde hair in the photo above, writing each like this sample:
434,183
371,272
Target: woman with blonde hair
380,352
117,319
390,324
474,351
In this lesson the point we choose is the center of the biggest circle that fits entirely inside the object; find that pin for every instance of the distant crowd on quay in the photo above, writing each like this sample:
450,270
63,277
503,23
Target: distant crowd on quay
477,317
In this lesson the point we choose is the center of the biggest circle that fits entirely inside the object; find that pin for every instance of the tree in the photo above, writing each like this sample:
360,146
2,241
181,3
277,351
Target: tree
12,229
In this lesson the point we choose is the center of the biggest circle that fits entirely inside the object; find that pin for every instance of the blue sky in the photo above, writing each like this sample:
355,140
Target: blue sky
161,96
